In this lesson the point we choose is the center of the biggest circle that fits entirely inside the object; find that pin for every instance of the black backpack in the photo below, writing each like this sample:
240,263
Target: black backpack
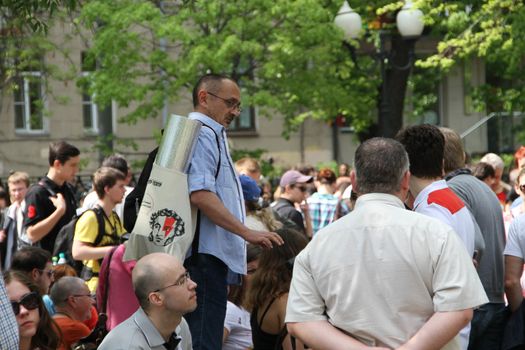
64,239
134,198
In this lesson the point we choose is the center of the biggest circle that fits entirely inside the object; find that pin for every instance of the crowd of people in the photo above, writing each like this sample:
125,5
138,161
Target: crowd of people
406,250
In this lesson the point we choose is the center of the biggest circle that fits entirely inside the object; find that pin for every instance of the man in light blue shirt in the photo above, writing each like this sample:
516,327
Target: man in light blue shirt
218,255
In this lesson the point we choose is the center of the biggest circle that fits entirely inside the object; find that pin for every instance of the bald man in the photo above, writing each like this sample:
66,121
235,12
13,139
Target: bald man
165,292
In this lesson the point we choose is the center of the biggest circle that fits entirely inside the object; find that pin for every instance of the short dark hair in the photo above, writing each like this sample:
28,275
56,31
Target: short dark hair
210,82
116,161
28,258
61,151
425,145
380,164
106,176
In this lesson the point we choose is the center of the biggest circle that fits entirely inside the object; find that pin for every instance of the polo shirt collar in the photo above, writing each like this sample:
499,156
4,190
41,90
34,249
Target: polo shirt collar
434,186
151,333
203,118
52,184
379,198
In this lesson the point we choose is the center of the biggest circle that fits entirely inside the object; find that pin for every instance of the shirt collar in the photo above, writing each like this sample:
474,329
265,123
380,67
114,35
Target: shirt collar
434,186
203,118
380,198
149,330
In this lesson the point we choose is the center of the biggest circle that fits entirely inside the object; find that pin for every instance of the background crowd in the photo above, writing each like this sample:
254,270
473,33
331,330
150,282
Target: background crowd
68,283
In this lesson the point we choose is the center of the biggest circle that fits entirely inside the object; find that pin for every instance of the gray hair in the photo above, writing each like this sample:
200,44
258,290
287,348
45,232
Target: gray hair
380,164
494,160
64,287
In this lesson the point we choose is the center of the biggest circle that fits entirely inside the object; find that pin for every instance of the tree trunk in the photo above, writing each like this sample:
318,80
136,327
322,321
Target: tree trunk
396,77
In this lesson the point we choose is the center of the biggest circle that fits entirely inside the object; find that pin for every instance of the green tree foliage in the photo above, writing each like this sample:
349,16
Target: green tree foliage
286,55
490,29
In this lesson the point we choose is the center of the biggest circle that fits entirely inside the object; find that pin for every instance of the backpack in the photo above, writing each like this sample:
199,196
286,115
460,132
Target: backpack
134,198
64,239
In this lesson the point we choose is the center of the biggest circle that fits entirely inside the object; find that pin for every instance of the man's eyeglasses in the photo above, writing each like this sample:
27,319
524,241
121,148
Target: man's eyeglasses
49,273
230,103
179,282
29,301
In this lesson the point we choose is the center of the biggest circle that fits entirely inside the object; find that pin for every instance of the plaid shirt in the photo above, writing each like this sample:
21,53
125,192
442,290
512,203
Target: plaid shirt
8,324
323,208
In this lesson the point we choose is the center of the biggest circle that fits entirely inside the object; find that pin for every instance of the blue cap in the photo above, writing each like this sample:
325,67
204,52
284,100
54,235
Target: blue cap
250,190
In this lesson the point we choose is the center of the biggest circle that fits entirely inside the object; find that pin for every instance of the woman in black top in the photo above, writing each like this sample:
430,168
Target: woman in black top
268,293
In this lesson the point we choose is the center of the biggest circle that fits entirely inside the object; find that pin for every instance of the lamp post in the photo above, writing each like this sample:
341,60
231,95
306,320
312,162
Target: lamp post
410,26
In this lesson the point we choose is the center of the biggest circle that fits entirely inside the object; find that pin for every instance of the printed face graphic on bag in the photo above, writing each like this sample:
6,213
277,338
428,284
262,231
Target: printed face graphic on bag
165,225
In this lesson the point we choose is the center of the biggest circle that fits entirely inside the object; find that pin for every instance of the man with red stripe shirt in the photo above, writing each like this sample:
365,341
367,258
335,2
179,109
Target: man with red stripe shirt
425,146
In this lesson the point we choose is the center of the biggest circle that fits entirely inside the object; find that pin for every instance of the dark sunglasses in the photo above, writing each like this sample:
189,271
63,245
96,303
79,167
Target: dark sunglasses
301,188
522,188
30,301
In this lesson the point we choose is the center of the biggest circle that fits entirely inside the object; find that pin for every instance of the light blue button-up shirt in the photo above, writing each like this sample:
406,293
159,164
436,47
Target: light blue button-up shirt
215,240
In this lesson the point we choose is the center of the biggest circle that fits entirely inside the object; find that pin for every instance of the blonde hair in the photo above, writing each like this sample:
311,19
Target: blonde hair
18,176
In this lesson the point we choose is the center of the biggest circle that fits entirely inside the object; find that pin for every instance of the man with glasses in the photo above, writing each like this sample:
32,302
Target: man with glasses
218,254
36,264
73,302
165,292
293,187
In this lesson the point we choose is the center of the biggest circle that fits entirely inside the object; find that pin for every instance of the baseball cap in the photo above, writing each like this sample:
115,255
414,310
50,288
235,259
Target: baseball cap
250,190
294,177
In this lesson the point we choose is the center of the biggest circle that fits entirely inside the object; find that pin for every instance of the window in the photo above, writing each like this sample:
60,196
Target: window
90,114
28,102
245,121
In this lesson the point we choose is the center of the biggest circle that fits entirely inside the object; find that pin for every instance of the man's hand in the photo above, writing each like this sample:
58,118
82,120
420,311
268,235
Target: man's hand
59,202
263,238
3,236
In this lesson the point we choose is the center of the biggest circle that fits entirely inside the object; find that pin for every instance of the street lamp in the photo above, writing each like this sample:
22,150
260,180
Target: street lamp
410,25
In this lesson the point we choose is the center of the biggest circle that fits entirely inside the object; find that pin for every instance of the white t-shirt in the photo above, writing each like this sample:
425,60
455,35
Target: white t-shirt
237,322
438,201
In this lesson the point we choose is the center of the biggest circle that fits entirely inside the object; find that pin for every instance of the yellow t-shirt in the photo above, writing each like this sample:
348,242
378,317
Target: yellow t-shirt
86,231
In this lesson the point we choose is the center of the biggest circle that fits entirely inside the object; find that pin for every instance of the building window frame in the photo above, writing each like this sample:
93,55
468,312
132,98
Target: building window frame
24,109
89,112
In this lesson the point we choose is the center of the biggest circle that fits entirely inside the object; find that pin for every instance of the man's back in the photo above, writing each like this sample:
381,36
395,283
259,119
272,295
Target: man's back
437,200
381,272
486,209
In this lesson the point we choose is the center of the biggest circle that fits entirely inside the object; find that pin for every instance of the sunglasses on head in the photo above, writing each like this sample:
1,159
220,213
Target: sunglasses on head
29,301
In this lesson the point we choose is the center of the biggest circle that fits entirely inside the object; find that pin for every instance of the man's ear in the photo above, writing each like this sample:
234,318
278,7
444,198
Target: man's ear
155,299
405,181
202,97
56,164
353,181
34,274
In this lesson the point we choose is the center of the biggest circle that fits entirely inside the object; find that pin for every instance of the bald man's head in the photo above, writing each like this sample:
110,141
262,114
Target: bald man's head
150,273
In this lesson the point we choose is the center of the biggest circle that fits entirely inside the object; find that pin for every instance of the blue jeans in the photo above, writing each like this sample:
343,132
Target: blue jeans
207,321
488,325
